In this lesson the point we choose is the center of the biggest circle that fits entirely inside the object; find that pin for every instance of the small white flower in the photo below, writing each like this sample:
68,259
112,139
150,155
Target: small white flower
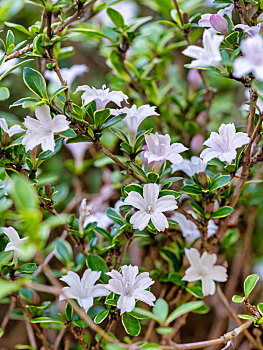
190,167
15,129
68,74
206,20
254,30
101,96
223,145
78,151
134,117
15,241
130,286
101,218
160,150
41,130
84,289
203,268
252,59
207,56
189,228
84,212
150,207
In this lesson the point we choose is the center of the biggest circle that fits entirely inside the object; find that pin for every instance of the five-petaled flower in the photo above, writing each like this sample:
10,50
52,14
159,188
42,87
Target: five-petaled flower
203,268
206,56
84,289
15,241
159,150
15,129
101,96
150,207
223,145
41,131
252,59
130,287
134,117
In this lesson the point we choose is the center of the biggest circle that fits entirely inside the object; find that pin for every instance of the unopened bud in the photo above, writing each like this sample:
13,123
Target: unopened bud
5,139
219,23
209,208
197,143
48,190
201,119
194,79
202,178
84,211
185,17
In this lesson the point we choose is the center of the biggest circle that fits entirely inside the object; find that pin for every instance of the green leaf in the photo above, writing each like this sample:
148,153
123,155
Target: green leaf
35,82
222,212
5,257
191,189
14,68
1,332
237,299
69,312
100,117
247,317
219,182
90,33
230,238
49,154
115,216
23,193
131,324
68,133
113,121
25,102
101,316
17,27
63,251
27,268
57,92
161,309
116,17
45,320
4,93
250,283
164,330
119,133
183,309
96,263
260,308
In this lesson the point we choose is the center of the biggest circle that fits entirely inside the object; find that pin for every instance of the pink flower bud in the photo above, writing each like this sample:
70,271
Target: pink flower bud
201,118
194,79
219,23
196,143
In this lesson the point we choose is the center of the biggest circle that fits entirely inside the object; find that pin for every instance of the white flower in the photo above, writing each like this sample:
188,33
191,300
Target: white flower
206,20
150,207
15,241
8,64
190,167
78,151
130,286
189,228
223,145
207,56
159,150
15,129
134,117
84,212
101,218
68,74
254,30
252,59
203,268
101,96
84,289
41,130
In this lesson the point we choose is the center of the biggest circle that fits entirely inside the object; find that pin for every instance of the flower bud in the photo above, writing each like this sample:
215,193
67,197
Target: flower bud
194,79
48,190
219,23
202,178
84,211
196,143
5,139
201,118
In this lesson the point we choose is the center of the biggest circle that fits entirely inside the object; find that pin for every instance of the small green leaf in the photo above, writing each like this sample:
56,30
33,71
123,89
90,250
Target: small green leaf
238,299
131,324
45,320
191,189
100,117
90,33
4,93
161,309
222,212
96,263
63,251
183,309
1,332
69,312
49,154
35,82
27,268
250,283
15,67
115,216
247,317
219,182
101,316
164,330
116,17
260,308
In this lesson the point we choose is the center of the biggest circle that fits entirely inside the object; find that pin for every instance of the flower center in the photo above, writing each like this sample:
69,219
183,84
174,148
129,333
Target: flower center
149,209
127,288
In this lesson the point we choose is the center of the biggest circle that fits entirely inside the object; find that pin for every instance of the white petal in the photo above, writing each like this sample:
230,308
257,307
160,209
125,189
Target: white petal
166,203
145,296
159,221
135,199
150,194
125,304
140,220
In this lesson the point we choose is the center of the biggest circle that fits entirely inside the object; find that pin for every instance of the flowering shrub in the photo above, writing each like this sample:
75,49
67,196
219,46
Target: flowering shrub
152,223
